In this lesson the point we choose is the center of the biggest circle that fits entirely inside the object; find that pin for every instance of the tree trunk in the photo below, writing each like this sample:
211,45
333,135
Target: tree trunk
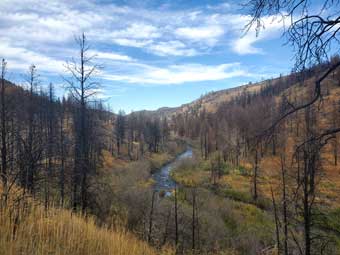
3,134
151,217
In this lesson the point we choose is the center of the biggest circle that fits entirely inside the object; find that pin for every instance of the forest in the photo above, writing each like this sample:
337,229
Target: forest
253,169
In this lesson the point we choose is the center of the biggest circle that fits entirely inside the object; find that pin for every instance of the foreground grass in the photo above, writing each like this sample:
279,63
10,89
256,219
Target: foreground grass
29,229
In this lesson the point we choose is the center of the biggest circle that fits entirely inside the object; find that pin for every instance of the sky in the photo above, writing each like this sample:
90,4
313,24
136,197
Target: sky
153,53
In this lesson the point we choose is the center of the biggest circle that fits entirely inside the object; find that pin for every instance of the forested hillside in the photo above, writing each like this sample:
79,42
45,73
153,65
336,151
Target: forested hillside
249,150
74,154
248,174
245,170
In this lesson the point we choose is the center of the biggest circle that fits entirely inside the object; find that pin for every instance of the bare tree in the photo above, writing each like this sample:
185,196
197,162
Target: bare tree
176,216
82,86
284,204
62,152
120,127
311,32
151,215
255,172
3,127
31,139
277,221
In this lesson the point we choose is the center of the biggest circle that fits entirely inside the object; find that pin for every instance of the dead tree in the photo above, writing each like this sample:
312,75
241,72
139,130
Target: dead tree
4,166
151,216
277,221
120,127
82,87
255,172
31,139
193,219
62,152
311,33
50,139
284,205
176,217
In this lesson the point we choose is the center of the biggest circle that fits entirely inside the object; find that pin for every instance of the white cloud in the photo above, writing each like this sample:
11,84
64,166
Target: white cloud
178,74
132,42
163,32
31,26
174,48
21,58
244,43
222,6
137,31
200,33
32,23
110,56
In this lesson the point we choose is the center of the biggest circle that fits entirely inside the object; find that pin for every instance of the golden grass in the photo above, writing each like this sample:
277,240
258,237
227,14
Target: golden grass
191,178
157,160
110,162
31,230
236,182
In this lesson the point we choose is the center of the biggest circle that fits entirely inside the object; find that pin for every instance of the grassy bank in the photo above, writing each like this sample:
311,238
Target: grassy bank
229,213
27,228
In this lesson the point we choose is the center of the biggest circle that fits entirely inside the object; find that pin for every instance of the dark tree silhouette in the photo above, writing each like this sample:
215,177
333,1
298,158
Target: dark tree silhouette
82,87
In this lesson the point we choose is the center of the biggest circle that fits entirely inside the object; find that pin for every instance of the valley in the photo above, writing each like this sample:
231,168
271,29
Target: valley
93,160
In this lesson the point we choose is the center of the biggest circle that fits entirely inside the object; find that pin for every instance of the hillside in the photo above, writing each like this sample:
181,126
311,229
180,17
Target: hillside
212,100
273,170
42,207
229,192
28,228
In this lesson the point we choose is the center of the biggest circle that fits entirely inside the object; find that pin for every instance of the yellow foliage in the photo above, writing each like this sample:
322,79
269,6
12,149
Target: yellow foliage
157,160
109,162
29,229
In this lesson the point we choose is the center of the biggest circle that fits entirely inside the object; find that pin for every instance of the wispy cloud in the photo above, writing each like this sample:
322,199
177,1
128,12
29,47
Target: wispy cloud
210,34
174,48
243,44
31,23
110,56
179,74
21,59
124,38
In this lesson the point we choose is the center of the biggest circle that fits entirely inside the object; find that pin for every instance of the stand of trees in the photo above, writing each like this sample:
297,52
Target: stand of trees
52,147
237,130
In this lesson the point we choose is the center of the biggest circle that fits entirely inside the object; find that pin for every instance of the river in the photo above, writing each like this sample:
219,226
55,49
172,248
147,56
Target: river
163,180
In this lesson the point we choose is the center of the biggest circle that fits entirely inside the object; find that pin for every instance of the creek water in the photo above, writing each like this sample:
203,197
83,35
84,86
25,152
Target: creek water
162,177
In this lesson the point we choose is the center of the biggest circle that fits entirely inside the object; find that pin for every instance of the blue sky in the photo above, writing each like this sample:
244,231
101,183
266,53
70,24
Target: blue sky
155,53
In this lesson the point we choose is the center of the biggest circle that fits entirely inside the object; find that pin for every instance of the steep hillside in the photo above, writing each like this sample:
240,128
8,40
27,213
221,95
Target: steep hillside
29,228
291,170
212,100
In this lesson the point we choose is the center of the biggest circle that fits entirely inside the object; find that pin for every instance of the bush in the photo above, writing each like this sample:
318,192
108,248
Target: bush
29,229
242,171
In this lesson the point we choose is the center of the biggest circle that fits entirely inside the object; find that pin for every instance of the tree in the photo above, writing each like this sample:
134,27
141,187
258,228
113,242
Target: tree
82,87
311,32
62,151
3,118
50,138
284,204
31,139
176,217
151,216
165,131
152,134
193,219
120,127
255,172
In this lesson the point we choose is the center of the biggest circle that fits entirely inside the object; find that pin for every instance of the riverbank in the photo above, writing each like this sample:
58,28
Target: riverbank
162,177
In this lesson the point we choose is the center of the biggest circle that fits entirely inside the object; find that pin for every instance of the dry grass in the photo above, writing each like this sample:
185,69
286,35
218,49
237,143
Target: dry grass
27,228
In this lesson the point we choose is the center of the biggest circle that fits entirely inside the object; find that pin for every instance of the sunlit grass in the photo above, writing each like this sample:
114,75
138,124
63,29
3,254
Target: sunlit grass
26,228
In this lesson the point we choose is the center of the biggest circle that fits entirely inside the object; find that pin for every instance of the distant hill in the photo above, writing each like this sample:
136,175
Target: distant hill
212,100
